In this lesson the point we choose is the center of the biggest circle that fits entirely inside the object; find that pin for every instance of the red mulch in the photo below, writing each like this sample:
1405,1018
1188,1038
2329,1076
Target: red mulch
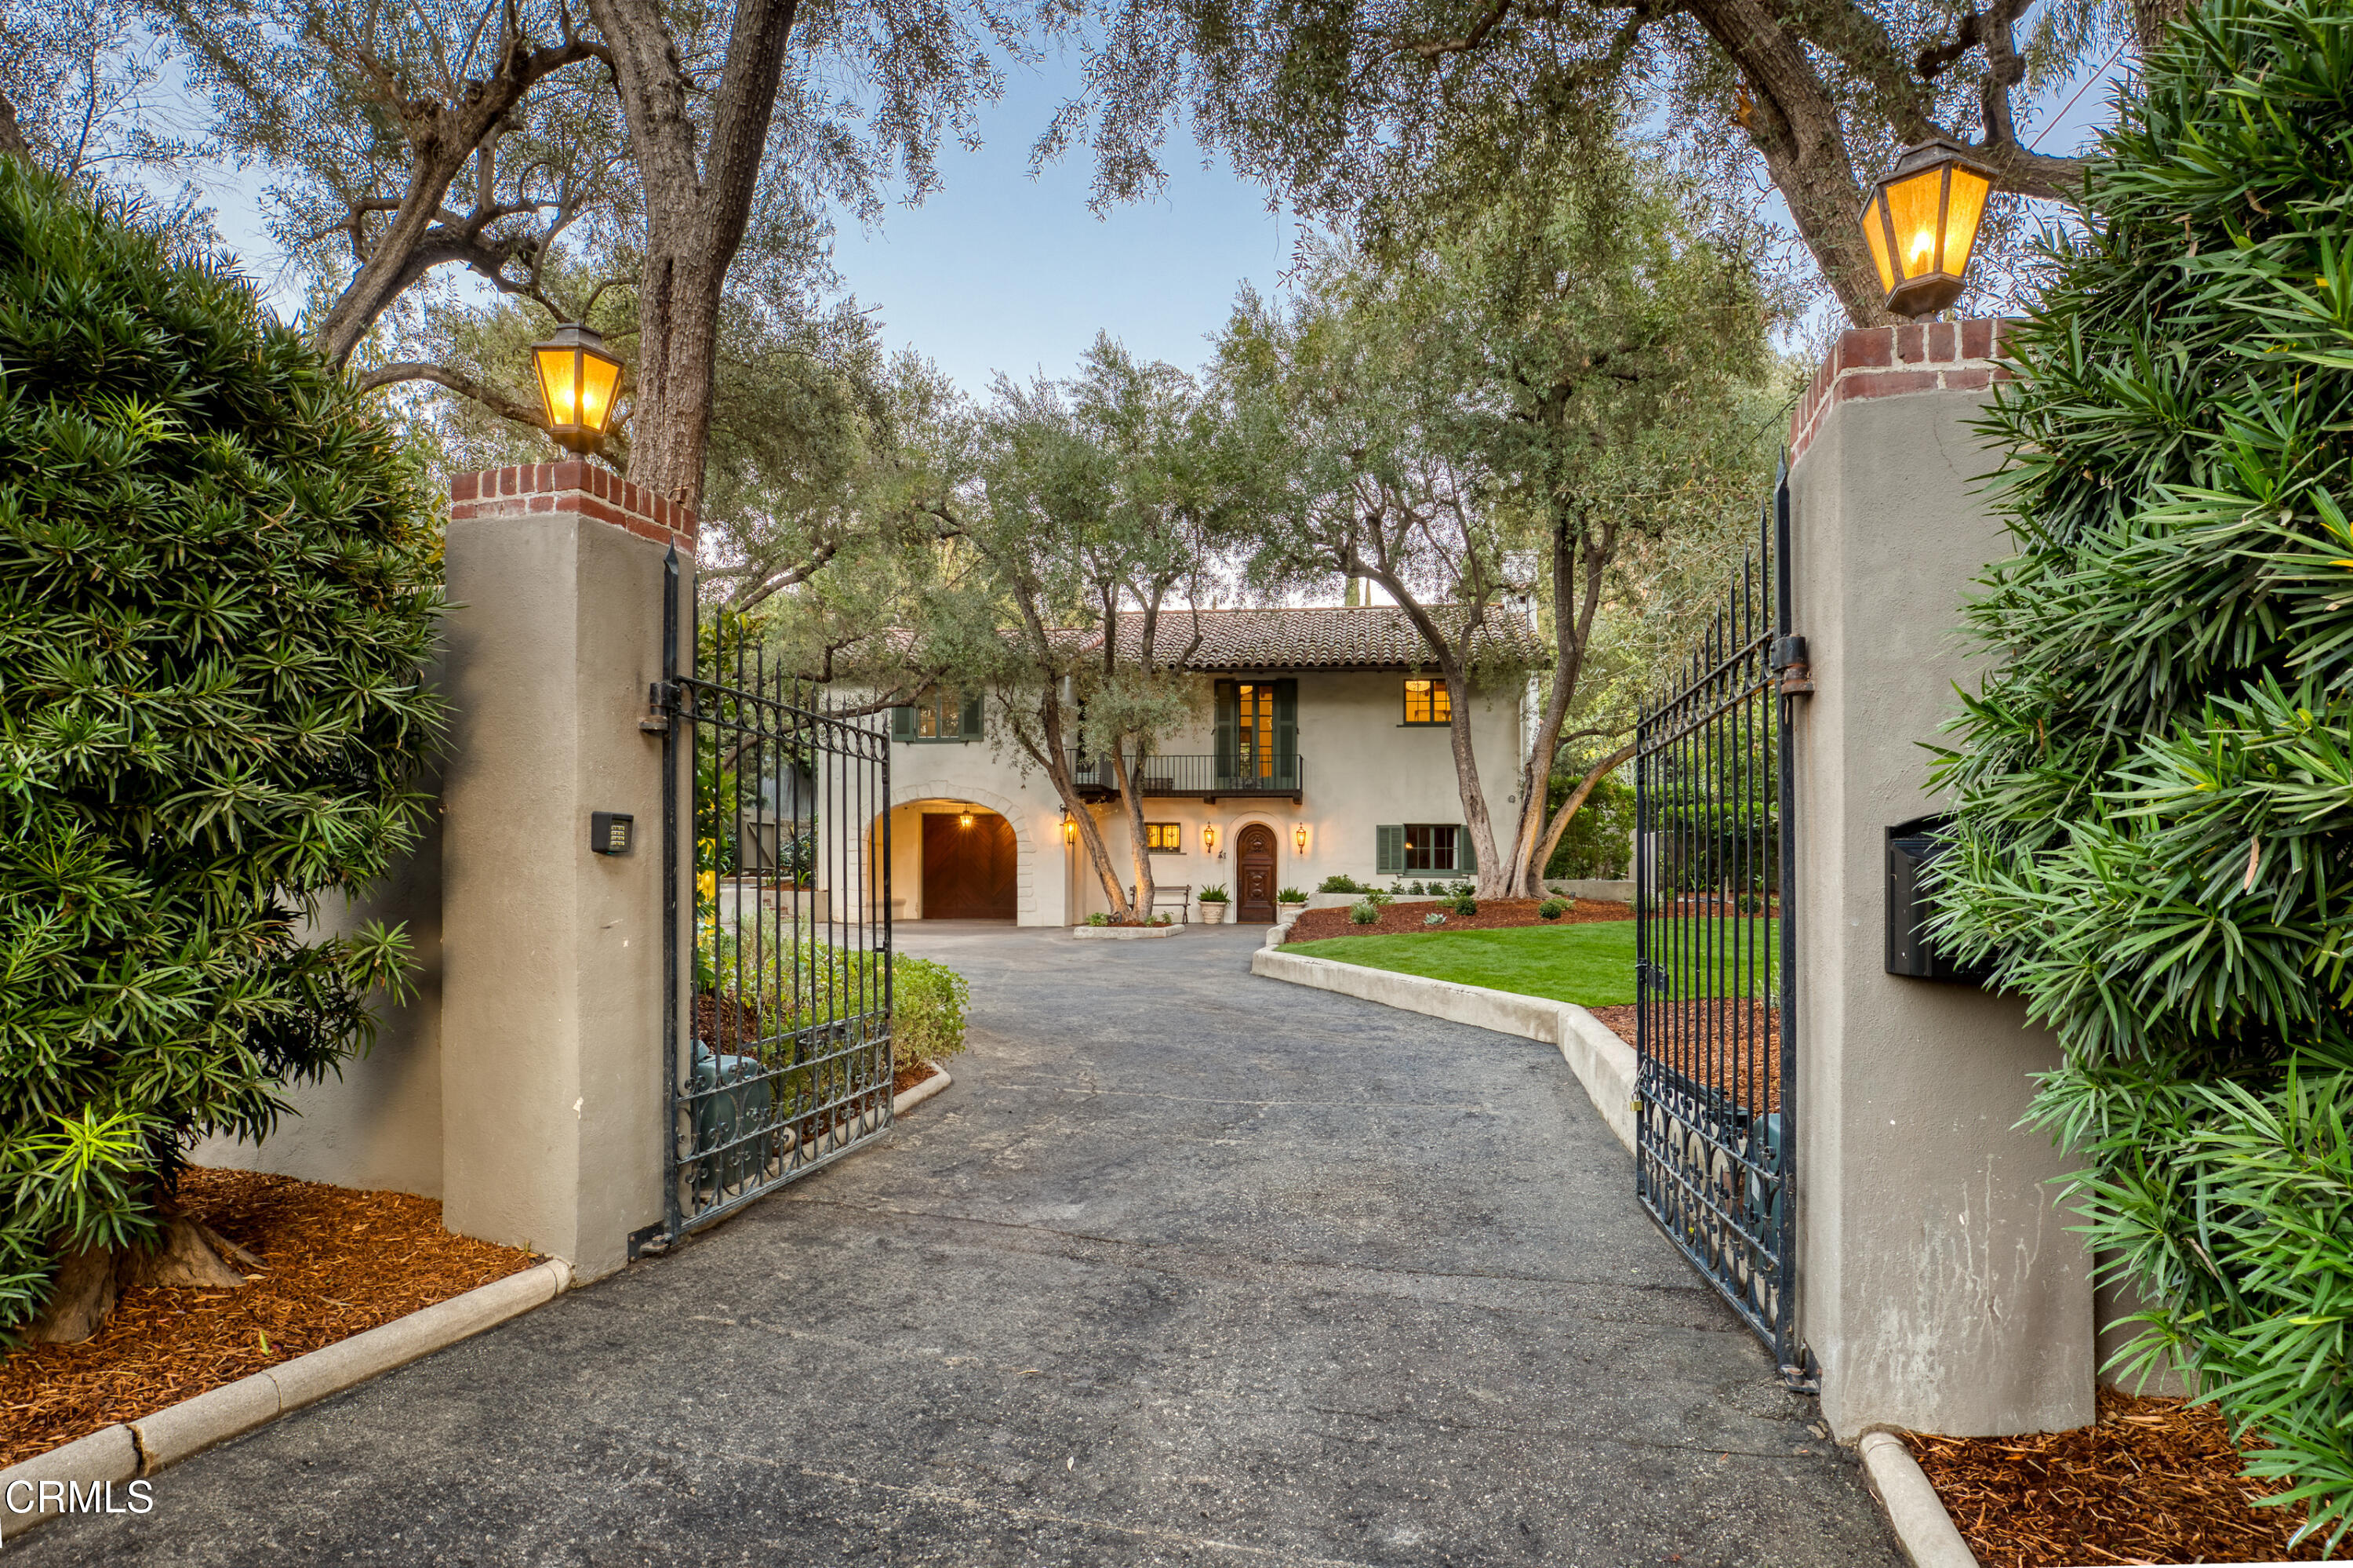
1741,1066
1495,914
2153,1480
335,1262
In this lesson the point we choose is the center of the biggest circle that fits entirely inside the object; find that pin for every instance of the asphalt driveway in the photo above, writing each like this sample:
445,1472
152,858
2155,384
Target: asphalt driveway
1188,1268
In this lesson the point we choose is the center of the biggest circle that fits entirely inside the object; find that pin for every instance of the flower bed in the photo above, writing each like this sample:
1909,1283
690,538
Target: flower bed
1493,915
335,1263
2153,1480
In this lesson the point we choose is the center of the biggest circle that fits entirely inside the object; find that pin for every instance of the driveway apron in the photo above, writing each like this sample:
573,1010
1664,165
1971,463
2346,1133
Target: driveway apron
1190,1267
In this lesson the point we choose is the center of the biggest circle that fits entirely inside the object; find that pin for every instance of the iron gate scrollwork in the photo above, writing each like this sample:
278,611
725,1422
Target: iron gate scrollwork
776,1041
1715,1146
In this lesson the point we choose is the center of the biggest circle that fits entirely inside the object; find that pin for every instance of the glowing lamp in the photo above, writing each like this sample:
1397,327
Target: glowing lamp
963,819
1070,827
1299,838
1921,223
1209,839
577,380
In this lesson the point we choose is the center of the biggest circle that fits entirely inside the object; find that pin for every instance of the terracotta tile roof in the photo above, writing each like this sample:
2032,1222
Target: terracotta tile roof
1374,637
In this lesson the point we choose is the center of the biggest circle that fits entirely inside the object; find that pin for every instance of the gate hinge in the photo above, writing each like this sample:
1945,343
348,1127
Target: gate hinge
657,719
1789,656
651,1240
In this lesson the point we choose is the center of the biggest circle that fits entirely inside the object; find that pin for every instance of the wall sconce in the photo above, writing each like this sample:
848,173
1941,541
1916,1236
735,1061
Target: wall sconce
1921,223
1299,838
1070,828
577,379
1209,839
963,819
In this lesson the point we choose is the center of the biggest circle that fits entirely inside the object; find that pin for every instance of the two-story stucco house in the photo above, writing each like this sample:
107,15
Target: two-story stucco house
1326,752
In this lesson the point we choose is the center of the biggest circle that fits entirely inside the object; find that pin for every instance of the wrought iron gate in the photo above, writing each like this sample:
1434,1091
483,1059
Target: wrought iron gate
1716,1146
777,1040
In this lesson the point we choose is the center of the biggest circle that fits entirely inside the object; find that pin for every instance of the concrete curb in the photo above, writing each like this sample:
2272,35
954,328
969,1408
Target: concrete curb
1602,1063
101,1461
1922,1526
181,1431
1122,932
932,1085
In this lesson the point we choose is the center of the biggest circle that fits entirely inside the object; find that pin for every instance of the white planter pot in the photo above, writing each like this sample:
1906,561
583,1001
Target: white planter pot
1287,913
1212,914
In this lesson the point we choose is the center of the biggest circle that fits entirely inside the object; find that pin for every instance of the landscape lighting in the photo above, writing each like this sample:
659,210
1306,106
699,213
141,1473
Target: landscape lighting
577,380
1921,223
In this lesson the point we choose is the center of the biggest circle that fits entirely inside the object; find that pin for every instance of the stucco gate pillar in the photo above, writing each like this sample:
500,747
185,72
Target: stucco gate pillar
552,974
1939,1284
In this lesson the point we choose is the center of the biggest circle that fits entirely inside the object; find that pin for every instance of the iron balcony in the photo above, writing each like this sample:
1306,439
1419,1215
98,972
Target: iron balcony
1195,778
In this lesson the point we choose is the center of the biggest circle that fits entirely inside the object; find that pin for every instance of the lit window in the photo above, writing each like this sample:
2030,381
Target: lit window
939,716
1256,730
1430,847
1428,702
1164,838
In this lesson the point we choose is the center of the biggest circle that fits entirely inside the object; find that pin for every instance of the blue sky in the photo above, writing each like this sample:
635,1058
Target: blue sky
1000,272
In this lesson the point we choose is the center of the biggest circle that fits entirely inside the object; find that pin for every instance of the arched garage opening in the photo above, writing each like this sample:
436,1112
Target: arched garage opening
958,859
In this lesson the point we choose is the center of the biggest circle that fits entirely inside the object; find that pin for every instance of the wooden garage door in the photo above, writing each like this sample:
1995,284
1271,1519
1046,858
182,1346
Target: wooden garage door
967,871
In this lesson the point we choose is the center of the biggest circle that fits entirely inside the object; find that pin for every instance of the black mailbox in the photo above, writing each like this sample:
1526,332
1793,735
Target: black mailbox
1911,846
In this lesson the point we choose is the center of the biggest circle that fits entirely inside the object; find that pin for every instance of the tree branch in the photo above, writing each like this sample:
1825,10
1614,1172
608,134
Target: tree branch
457,381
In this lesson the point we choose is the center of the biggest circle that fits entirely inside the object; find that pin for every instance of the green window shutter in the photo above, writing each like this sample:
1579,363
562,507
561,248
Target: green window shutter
1466,854
1389,849
972,717
903,723
1286,731
1229,719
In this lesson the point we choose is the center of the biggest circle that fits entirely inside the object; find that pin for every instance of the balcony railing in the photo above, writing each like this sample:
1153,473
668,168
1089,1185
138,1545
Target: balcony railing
1204,778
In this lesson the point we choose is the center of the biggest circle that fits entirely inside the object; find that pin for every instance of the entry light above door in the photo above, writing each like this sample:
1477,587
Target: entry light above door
963,819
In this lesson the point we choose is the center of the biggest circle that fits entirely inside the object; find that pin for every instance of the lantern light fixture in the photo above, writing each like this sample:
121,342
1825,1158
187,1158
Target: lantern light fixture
1921,225
578,382
1299,838
963,819
1209,839
1070,827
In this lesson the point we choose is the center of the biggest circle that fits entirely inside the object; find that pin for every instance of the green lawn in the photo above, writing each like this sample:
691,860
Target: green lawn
1591,965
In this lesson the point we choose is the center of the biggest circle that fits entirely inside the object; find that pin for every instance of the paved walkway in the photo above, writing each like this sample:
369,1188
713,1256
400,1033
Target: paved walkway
1188,1268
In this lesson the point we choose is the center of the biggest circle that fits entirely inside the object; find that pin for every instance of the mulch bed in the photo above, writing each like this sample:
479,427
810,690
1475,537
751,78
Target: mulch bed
335,1263
1741,1066
1495,914
2153,1480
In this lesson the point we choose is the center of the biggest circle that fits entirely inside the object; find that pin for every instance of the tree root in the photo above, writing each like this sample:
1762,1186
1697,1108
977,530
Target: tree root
191,1256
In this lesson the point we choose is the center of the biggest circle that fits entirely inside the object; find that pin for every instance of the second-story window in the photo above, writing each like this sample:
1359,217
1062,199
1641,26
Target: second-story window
1428,702
937,715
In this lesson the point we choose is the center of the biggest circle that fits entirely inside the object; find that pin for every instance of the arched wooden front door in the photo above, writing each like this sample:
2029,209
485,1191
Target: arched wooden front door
1254,875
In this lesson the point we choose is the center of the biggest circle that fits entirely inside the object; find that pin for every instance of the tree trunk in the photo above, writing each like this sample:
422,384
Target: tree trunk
2151,18
80,1301
1575,803
697,206
190,1256
1131,795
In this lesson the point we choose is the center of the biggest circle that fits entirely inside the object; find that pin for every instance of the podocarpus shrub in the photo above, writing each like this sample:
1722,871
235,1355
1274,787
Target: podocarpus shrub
219,578
2156,783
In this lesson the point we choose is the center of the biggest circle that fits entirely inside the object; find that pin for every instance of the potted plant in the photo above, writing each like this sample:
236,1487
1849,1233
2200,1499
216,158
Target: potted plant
1289,904
1211,901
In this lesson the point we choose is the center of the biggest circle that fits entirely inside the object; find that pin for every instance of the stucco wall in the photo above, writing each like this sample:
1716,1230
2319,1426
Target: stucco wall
1940,1286
378,1124
1361,767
